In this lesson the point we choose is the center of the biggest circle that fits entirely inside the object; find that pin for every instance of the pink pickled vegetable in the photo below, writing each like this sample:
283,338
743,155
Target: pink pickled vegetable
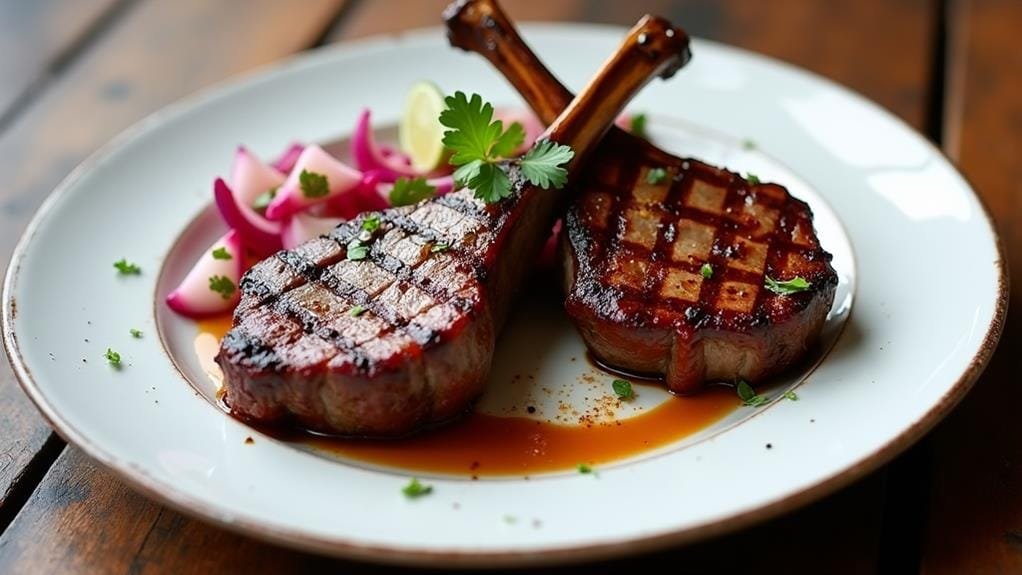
316,178
364,198
302,228
258,234
211,287
286,162
250,178
368,156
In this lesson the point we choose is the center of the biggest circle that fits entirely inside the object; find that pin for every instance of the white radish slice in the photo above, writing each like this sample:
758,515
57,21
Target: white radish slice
315,163
250,178
221,267
302,228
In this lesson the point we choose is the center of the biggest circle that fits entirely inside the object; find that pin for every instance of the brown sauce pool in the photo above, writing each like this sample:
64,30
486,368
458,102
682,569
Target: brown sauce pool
480,444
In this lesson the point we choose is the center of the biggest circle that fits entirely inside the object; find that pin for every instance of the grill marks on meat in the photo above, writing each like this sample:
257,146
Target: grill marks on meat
635,251
405,336
310,314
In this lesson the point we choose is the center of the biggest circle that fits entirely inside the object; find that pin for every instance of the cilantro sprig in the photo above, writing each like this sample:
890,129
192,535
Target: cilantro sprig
787,287
478,144
410,191
623,389
749,396
416,488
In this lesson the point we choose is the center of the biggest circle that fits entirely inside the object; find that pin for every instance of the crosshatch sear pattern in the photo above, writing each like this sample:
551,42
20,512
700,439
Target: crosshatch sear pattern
676,249
315,316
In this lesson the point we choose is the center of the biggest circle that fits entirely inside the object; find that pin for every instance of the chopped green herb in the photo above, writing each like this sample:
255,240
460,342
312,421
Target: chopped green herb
112,357
749,396
440,247
478,143
585,469
222,285
357,250
791,395
787,287
264,199
135,333
313,185
407,192
510,519
752,178
357,311
371,223
706,271
638,125
623,389
126,268
749,144
542,164
656,175
415,488
221,253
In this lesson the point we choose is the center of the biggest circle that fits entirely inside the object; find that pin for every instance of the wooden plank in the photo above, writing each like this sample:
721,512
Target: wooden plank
880,48
81,519
976,517
170,543
142,64
34,36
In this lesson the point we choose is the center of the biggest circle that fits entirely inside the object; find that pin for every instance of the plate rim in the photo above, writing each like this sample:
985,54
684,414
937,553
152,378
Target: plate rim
339,547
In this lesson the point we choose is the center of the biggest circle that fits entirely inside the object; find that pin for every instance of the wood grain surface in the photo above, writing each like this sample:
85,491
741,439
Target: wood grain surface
151,54
77,517
976,506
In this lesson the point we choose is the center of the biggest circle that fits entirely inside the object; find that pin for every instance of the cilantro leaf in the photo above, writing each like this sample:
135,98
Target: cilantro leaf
790,395
638,125
264,199
584,468
222,285
542,164
706,271
656,175
371,222
357,250
477,143
410,191
623,389
490,183
787,287
749,144
467,172
126,268
749,396
313,185
113,358
752,178
357,310
221,253
508,142
135,333
472,132
415,488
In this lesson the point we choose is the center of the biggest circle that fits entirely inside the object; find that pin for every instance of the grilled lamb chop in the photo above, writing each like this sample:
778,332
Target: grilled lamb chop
665,271
405,337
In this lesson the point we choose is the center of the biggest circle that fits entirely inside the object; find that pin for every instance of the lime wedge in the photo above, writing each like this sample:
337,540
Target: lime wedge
420,132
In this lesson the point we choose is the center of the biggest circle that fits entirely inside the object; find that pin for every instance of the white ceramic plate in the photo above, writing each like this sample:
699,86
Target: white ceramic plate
928,290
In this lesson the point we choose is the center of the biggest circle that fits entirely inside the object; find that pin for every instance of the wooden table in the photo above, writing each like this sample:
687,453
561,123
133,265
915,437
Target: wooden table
75,72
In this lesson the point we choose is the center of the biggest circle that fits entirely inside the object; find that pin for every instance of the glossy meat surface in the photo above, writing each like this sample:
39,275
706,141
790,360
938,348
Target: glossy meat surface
635,250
